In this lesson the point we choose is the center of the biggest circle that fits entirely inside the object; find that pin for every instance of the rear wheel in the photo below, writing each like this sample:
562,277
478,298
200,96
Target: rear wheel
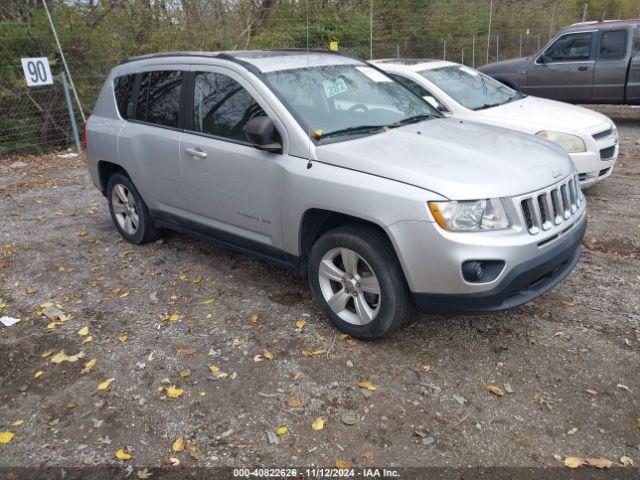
356,279
128,211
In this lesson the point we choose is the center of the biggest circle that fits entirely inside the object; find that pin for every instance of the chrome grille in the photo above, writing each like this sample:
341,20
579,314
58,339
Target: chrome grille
552,206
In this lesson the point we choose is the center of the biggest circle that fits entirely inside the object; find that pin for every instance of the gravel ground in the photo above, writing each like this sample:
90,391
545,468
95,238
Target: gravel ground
160,315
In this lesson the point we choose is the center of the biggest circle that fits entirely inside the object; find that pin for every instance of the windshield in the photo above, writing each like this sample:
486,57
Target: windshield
470,88
344,100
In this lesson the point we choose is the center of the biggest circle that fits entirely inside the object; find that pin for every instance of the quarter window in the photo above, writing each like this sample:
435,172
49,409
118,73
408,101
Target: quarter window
613,44
122,87
572,47
222,107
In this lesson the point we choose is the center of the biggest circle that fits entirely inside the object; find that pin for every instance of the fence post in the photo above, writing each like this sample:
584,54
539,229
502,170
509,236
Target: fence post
520,48
444,49
397,51
72,117
497,48
473,51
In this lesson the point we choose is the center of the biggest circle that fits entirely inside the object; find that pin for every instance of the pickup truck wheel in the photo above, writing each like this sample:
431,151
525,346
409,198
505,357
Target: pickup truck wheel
357,281
128,211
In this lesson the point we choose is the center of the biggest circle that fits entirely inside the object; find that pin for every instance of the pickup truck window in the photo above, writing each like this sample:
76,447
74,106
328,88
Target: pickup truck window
613,44
470,88
572,47
346,99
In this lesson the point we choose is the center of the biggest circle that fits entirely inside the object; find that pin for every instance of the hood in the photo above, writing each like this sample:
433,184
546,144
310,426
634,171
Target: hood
457,159
533,114
505,66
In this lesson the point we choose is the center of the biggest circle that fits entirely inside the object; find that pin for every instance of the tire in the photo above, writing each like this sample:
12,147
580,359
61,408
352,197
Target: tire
374,257
126,205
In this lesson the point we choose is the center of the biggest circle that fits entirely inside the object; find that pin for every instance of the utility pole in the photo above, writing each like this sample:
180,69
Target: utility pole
64,61
489,33
584,12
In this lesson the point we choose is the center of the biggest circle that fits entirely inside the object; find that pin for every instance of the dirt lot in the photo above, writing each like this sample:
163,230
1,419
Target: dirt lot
159,315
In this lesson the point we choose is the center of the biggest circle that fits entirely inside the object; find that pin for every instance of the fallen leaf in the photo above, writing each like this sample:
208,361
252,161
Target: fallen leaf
314,353
341,464
318,424
143,474
122,455
368,456
208,301
254,317
84,331
89,365
123,337
626,461
6,437
173,317
174,461
300,324
106,385
296,375
599,462
293,402
173,392
573,431
495,390
214,369
368,385
87,340
38,374
71,405
76,357
59,357
282,430
267,354
573,462
178,445
185,373
17,423
46,304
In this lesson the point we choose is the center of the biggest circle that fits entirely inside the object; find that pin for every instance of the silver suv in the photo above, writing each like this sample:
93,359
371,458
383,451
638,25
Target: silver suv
324,164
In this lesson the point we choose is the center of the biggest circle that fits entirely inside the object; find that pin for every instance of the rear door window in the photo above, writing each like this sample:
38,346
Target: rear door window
123,88
222,107
159,97
572,47
613,44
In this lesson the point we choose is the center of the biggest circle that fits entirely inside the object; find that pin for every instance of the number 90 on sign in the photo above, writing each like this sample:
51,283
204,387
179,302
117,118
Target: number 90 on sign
37,71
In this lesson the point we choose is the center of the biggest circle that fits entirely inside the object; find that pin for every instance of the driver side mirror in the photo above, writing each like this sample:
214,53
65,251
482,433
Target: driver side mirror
263,134
436,104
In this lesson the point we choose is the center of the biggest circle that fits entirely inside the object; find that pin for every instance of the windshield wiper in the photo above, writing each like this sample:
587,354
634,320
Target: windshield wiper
412,119
488,105
351,130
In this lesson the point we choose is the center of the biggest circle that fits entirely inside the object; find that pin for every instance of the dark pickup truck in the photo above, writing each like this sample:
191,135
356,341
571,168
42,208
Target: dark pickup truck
589,62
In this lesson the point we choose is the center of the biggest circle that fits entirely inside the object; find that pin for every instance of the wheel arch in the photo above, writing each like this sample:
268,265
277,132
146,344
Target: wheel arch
105,170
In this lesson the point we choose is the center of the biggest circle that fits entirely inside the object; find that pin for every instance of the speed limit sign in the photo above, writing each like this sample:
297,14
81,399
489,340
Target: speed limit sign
37,71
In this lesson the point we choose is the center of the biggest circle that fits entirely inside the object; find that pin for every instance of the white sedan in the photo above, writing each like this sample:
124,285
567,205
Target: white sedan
590,138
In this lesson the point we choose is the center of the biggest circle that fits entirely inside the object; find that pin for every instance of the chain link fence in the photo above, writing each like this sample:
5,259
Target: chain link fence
35,120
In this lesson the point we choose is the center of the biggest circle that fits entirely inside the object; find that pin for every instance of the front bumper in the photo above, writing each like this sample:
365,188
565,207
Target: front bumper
523,283
597,162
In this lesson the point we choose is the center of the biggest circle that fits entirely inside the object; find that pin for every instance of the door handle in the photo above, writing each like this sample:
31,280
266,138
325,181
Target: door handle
583,69
196,152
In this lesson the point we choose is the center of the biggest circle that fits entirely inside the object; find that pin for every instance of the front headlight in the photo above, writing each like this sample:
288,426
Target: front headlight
471,216
571,143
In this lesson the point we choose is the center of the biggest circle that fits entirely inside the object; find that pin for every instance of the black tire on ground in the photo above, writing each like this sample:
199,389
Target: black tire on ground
146,230
374,247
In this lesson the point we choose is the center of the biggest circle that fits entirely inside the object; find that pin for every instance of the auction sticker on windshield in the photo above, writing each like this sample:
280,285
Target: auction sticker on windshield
374,74
334,87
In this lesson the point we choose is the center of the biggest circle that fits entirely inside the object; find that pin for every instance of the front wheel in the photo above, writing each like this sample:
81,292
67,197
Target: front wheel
356,279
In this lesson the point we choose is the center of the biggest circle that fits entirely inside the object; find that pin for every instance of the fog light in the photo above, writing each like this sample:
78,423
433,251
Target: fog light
482,271
472,271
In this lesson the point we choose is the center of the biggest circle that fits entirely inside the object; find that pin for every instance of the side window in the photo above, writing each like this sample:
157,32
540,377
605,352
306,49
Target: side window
122,88
159,97
572,47
143,96
613,44
222,107
411,85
